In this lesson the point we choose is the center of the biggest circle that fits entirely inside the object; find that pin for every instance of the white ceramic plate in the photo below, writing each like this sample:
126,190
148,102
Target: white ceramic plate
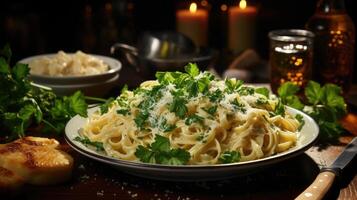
97,89
114,68
307,137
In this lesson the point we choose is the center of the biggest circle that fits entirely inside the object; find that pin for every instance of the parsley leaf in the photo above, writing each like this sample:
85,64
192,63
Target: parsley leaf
287,93
216,96
313,92
176,157
160,152
324,104
193,119
211,110
161,143
232,85
87,142
105,106
287,89
332,98
245,90
261,101
22,103
178,106
300,118
4,67
164,126
279,109
145,154
77,104
238,106
192,69
263,90
229,157
123,111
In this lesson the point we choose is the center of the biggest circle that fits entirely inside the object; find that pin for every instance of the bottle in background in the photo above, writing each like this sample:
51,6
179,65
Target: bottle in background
334,43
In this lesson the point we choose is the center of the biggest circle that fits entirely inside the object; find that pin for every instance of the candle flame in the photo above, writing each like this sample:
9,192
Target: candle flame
193,7
224,7
242,4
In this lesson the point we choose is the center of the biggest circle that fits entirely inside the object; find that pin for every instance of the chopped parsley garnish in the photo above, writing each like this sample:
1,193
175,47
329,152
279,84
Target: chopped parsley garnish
164,126
238,106
145,106
200,137
105,106
160,152
140,119
229,157
216,96
193,119
211,110
123,111
245,90
261,101
279,109
233,85
300,118
178,106
85,141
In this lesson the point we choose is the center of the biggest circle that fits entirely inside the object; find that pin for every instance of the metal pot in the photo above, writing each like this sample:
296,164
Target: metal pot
164,51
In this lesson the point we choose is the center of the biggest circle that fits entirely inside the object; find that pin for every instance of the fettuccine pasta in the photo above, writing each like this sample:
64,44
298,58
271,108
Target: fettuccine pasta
215,117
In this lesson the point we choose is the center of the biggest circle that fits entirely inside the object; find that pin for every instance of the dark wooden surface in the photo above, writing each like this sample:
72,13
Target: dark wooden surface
285,180
94,180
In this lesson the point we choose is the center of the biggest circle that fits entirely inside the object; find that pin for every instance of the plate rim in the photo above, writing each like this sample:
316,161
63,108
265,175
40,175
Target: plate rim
150,166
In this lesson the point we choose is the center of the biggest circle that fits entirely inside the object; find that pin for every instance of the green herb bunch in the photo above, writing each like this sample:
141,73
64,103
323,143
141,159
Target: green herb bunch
325,104
23,103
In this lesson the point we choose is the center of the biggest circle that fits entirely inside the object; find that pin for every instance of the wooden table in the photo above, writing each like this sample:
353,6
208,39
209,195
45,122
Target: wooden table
94,180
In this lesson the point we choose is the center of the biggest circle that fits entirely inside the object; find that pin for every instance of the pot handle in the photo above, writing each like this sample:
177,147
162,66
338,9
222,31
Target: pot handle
130,53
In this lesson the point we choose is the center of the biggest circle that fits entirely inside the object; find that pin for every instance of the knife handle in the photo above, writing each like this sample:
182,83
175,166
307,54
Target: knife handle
319,187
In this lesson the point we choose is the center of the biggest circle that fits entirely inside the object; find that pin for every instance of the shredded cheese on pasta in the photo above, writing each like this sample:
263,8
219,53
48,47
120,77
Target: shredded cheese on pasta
241,120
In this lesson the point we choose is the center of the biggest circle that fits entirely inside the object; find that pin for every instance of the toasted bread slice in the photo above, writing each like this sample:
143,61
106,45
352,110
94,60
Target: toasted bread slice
9,180
36,160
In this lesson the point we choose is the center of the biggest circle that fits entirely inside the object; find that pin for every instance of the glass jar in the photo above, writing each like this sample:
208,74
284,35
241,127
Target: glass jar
290,57
334,43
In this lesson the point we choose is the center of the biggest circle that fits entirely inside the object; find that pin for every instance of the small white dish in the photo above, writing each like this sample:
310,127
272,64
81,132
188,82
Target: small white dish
308,136
97,89
114,68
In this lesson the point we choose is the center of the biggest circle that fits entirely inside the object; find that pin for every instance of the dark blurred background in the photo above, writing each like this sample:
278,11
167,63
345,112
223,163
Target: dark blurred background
35,27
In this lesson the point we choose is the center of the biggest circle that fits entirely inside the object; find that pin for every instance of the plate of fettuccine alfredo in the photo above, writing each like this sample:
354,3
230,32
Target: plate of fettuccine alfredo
192,126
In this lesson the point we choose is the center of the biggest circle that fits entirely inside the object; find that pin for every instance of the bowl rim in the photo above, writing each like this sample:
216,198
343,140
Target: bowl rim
204,53
112,69
62,86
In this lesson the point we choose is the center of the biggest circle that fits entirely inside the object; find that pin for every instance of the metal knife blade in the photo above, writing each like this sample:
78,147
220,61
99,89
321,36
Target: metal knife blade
323,182
344,158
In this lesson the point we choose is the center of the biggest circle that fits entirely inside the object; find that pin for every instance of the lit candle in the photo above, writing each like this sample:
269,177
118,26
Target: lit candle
241,27
193,23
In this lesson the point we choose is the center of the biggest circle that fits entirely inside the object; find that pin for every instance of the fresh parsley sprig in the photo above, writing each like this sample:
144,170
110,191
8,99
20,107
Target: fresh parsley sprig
87,142
324,104
160,152
229,157
23,103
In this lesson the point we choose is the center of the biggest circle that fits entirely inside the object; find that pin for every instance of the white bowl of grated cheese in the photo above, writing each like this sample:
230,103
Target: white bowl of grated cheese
65,73
71,68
